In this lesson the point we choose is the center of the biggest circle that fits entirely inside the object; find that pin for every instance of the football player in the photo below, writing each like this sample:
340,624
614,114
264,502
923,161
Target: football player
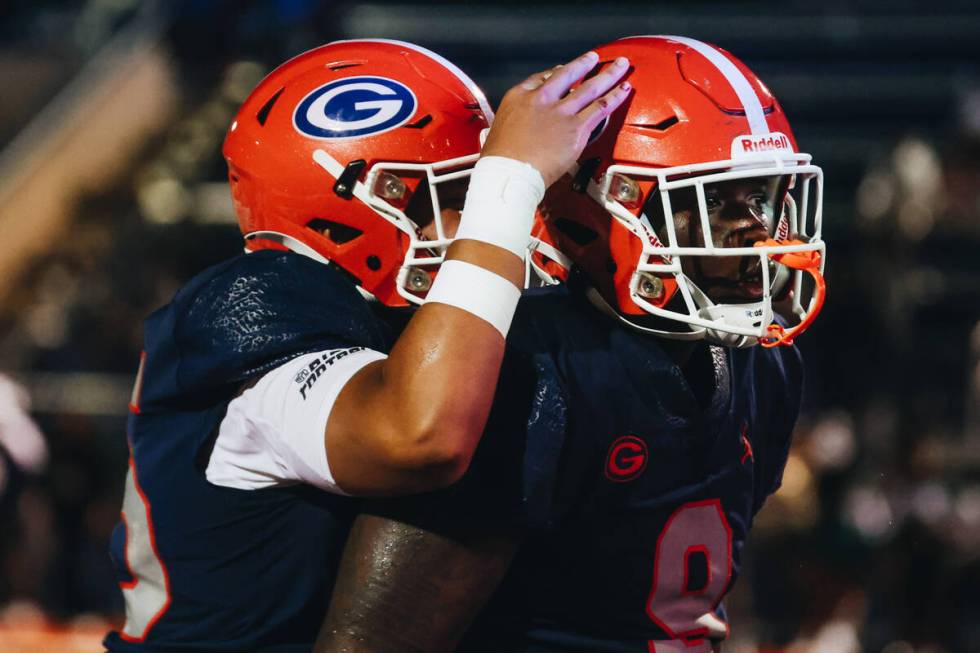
271,387
645,408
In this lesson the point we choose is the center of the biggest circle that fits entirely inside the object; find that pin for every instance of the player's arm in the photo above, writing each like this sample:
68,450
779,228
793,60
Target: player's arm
404,588
411,422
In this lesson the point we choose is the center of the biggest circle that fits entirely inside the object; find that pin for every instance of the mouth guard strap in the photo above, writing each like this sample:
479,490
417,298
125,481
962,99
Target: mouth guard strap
808,262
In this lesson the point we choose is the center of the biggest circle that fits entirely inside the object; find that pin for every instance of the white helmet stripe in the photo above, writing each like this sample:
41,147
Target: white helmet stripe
449,65
743,89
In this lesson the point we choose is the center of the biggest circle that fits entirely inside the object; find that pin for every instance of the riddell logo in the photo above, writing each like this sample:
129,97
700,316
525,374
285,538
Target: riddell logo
747,145
652,238
627,459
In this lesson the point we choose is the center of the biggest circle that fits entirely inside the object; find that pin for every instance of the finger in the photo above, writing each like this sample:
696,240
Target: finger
558,84
598,85
602,107
537,79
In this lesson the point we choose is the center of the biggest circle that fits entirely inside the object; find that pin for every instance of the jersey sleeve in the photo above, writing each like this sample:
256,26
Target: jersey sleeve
273,433
246,317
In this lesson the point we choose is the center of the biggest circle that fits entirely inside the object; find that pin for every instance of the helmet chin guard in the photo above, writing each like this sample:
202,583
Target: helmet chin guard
747,315
755,314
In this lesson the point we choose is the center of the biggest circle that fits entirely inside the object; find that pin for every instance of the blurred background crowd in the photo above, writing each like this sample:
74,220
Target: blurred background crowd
113,193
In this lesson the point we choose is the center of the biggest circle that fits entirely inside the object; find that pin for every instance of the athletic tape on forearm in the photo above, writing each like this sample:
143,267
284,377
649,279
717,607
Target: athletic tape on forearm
500,203
476,290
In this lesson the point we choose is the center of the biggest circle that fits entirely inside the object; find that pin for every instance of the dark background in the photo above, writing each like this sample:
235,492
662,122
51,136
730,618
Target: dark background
113,193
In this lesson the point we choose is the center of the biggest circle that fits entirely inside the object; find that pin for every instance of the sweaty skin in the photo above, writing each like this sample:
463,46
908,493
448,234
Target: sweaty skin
383,604
381,438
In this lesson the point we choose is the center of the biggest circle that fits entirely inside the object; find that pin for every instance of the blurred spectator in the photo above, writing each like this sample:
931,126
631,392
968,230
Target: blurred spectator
21,441
23,457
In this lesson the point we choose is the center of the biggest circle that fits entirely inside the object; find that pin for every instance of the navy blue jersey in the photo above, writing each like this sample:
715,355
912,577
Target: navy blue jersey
208,568
636,496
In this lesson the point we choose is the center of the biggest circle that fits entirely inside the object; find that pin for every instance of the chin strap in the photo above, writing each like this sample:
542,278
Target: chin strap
808,262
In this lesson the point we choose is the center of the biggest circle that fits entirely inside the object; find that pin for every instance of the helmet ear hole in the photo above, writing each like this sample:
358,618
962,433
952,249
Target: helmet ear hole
335,231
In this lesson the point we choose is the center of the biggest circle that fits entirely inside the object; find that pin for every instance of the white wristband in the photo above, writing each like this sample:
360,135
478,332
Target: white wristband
476,290
500,203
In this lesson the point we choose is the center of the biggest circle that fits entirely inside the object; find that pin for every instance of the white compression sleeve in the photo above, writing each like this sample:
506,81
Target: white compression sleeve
478,291
500,203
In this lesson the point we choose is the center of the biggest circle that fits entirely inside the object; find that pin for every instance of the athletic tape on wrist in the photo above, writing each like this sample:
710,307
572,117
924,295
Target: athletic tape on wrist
476,290
500,203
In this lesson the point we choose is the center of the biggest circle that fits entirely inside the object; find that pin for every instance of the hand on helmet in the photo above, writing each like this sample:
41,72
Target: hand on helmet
541,123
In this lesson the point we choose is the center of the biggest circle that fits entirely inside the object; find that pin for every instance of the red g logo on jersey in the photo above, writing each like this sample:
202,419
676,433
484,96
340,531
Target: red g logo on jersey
627,459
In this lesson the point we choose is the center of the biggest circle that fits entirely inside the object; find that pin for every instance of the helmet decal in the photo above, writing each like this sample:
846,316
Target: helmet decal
746,146
354,106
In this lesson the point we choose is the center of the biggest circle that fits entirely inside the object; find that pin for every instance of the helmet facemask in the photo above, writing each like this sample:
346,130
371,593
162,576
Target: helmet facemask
438,186
390,189
715,241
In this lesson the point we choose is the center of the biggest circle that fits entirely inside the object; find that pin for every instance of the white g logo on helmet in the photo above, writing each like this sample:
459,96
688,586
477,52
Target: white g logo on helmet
354,106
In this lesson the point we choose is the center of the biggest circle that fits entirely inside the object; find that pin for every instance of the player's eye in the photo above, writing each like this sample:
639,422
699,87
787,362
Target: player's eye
759,200
712,201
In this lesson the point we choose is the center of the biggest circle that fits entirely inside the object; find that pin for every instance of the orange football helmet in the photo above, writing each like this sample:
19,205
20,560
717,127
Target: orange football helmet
698,118
327,153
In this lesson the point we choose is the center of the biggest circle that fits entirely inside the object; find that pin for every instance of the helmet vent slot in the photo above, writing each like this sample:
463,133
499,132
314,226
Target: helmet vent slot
335,231
663,125
580,234
263,113
340,65
420,123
